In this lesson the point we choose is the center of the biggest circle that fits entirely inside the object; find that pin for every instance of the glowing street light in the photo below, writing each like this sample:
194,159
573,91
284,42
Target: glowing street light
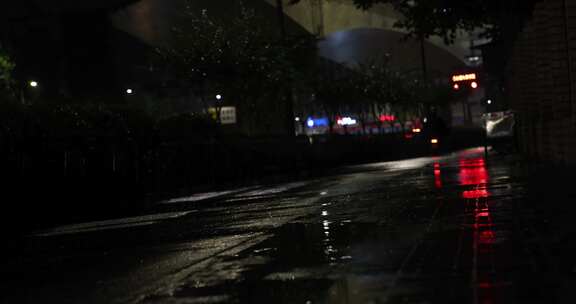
129,91
218,96
33,83
474,85
489,101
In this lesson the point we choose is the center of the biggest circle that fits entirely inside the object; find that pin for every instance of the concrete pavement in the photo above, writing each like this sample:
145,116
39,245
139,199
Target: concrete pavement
451,229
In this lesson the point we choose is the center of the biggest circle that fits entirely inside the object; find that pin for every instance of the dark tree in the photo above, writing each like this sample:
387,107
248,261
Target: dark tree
444,18
242,57
6,70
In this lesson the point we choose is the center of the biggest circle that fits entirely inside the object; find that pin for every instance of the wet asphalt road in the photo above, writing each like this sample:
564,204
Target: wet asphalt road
451,229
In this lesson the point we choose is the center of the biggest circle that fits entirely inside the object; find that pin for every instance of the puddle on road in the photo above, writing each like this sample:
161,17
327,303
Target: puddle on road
308,263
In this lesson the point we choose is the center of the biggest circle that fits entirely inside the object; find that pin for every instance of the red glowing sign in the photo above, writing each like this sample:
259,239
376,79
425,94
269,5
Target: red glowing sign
385,118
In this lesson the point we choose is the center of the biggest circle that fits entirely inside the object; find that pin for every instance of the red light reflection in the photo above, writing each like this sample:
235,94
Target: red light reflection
486,237
473,172
474,176
472,194
437,176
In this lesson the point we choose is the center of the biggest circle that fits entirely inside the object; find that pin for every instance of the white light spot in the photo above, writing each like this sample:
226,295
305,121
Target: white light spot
33,84
129,91
346,121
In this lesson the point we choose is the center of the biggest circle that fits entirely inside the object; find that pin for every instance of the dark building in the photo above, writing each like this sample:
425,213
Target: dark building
541,83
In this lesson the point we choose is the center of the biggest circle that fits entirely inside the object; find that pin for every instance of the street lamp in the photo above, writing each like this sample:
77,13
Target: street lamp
218,96
489,101
129,91
33,83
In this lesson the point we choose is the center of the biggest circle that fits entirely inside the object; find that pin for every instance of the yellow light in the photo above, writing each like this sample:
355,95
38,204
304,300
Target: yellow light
464,77
416,130
434,141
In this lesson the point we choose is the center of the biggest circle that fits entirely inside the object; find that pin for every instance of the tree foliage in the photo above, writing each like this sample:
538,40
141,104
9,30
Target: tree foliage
374,88
244,58
243,55
444,18
6,70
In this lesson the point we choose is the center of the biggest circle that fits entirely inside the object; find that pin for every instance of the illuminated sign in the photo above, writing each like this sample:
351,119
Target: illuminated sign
346,121
227,115
384,118
464,77
318,122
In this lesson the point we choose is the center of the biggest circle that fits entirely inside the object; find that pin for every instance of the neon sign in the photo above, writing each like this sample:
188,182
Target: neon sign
317,122
384,118
464,77
346,121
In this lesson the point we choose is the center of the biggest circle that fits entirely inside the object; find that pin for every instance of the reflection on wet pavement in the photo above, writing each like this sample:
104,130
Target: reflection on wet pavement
401,242
451,229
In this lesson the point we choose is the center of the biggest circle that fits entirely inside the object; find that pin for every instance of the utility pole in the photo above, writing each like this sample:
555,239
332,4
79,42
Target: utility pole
568,56
423,58
281,19
289,96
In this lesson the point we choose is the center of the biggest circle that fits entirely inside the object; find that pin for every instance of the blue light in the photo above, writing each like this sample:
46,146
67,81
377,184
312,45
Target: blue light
318,122
321,122
310,122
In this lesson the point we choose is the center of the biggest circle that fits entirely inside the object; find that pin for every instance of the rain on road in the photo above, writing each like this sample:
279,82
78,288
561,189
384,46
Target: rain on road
451,229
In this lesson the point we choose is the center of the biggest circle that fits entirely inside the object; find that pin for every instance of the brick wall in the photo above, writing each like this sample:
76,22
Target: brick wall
541,88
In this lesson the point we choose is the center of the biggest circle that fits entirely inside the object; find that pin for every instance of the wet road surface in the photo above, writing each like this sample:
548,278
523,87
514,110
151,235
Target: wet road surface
451,229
